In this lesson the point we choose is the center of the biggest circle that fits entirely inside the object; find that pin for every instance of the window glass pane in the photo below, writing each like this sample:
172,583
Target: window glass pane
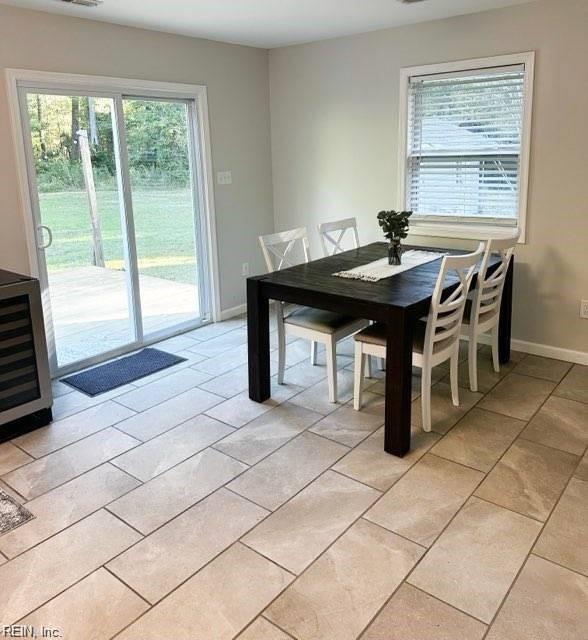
80,198
464,143
164,213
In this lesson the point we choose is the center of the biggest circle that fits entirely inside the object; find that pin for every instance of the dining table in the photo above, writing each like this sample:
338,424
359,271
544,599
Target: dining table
397,302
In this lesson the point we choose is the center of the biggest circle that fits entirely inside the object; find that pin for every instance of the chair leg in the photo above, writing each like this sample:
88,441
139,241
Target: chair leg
358,377
426,397
331,349
313,352
473,362
453,374
495,360
281,351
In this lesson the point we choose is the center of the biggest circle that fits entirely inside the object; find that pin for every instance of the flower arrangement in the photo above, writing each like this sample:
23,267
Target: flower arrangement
394,224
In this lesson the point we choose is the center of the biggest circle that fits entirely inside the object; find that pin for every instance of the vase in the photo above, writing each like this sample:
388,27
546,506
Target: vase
394,252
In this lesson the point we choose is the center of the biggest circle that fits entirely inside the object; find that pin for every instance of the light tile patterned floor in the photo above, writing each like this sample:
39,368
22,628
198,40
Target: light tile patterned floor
177,508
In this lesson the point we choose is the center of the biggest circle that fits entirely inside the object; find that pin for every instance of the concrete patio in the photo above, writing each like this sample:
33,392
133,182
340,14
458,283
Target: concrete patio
91,313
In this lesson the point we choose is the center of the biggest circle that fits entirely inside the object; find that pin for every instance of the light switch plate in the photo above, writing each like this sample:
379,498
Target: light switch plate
224,177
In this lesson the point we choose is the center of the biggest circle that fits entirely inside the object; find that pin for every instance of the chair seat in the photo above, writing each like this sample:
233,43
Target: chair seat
318,319
376,334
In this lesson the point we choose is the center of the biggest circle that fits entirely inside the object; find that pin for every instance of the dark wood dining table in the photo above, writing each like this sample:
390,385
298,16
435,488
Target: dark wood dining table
397,302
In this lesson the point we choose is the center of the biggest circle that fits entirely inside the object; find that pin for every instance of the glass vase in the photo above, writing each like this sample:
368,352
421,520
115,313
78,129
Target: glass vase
394,252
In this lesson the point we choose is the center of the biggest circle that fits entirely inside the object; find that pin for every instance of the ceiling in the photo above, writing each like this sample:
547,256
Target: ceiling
266,23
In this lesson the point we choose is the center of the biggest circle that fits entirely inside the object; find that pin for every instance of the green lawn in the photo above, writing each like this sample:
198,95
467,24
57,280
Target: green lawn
163,228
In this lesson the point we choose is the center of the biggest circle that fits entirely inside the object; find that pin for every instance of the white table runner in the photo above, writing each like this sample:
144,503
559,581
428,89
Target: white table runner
380,269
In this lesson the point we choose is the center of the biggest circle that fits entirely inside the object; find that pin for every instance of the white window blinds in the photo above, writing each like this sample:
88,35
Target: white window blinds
464,144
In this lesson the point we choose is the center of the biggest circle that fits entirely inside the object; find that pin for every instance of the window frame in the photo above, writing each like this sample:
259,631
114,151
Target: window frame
458,226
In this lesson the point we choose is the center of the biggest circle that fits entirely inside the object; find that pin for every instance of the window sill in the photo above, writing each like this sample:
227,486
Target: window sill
462,231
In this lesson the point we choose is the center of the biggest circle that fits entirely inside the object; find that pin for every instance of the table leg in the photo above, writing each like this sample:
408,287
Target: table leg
258,343
504,321
398,385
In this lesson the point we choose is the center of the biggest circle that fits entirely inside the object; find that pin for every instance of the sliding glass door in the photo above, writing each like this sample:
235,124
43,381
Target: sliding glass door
80,230
115,194
165,211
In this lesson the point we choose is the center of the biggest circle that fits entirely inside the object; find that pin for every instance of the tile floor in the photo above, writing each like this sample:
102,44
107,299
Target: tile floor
177,508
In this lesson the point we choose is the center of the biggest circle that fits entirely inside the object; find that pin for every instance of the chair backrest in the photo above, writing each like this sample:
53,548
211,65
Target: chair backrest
280,249
332,234
490,281
446,313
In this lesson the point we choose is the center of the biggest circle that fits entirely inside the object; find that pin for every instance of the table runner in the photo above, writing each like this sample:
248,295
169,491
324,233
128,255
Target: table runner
380,269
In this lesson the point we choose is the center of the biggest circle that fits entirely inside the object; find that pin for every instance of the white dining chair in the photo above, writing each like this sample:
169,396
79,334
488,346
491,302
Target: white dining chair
436,338
332,235
280,251
482,311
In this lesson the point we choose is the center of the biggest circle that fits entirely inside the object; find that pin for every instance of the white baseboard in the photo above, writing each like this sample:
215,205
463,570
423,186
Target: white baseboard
545,350
226,314
238,310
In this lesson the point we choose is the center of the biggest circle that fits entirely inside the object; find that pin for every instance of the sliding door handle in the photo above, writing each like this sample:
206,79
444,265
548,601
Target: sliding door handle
41,228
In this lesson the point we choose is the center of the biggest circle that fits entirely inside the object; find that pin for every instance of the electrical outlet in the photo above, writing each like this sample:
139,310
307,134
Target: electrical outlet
224,177
584,309
245,269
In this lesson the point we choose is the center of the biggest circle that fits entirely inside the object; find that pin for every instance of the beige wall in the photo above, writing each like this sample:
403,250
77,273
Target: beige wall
237,81
334,113
334,124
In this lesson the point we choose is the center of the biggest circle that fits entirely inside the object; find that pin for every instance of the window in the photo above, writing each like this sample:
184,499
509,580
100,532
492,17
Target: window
464,165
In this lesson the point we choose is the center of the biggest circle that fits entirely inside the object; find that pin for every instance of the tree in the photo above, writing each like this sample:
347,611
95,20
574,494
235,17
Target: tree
40,130
74,151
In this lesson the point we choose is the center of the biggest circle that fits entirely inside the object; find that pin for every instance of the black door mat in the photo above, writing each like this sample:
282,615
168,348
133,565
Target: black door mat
122,371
